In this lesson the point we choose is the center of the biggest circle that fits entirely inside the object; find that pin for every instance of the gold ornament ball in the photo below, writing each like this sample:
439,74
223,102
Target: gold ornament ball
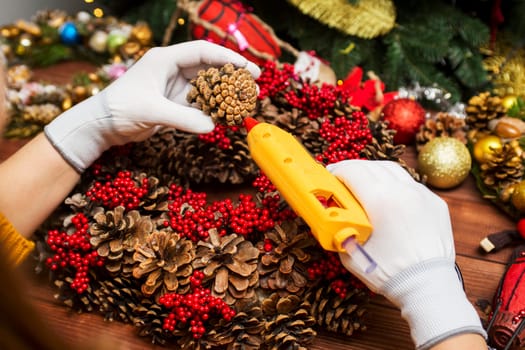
445,161
509,101
518,196
484,148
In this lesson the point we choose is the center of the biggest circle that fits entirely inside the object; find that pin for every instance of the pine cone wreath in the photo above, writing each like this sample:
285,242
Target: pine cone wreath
164,259
289,324
337,314
114,235
284,267
229,264
227,94
483,108
442,124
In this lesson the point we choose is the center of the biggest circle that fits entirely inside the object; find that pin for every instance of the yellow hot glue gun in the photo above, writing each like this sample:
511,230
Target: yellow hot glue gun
334,216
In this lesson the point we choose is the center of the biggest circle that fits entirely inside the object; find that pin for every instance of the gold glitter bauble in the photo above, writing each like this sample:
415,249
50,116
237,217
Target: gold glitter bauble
518,196
445,161
484,148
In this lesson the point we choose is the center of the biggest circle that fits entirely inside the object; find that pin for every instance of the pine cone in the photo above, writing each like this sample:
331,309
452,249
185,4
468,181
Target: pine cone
200,162
80,302
157,197
382,147
504,167
40,114
481,109
289,324
165,258
117,299
336,314
227,94
190,160
115,235
244,331
442,124
284,267
150,319
229,264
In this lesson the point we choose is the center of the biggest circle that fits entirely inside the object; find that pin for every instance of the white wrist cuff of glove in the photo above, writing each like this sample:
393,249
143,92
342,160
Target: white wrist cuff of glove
76,133
432,300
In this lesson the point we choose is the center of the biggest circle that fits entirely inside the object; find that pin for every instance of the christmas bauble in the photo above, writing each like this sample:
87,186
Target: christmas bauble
509,101
116,38
518,196
98,41
69,34
404,115
445,161
484,147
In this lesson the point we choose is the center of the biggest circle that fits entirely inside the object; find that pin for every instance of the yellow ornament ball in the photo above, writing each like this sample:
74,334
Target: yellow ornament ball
518,196
445,161
484,148
509,101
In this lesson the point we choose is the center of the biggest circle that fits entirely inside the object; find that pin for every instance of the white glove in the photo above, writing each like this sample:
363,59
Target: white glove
151,94
413,246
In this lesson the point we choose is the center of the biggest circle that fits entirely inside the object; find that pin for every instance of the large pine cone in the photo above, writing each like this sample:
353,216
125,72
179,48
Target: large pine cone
165,260
284,267
290,323
114,235
336,314
227,94
229,264
482,108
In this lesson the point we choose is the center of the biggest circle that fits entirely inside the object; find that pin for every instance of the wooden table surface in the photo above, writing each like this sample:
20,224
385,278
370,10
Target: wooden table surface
472,219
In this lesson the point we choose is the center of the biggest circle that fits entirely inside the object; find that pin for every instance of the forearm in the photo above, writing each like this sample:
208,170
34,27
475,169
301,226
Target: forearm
35,180
468,341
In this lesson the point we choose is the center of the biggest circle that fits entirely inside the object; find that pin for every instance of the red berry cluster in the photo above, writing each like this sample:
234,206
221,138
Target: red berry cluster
271,199
314,101
331,269
194,308
74,250
123,190
192,216
219,136
347,137
274,80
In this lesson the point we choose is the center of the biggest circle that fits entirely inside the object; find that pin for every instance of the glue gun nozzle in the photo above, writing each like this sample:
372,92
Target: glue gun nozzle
249,123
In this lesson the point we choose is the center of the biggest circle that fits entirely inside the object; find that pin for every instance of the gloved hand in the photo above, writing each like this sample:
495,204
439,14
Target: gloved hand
151,94
413,246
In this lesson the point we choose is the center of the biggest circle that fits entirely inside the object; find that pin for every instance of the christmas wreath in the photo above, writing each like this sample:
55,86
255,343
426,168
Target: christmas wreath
141,241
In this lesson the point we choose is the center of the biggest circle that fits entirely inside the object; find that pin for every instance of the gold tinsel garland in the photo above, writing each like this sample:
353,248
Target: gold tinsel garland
367,19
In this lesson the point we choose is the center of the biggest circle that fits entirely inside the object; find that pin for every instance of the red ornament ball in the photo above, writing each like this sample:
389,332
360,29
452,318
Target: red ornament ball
405,116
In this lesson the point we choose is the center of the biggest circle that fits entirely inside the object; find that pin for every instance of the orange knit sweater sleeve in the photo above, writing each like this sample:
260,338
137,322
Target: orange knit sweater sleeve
16,246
